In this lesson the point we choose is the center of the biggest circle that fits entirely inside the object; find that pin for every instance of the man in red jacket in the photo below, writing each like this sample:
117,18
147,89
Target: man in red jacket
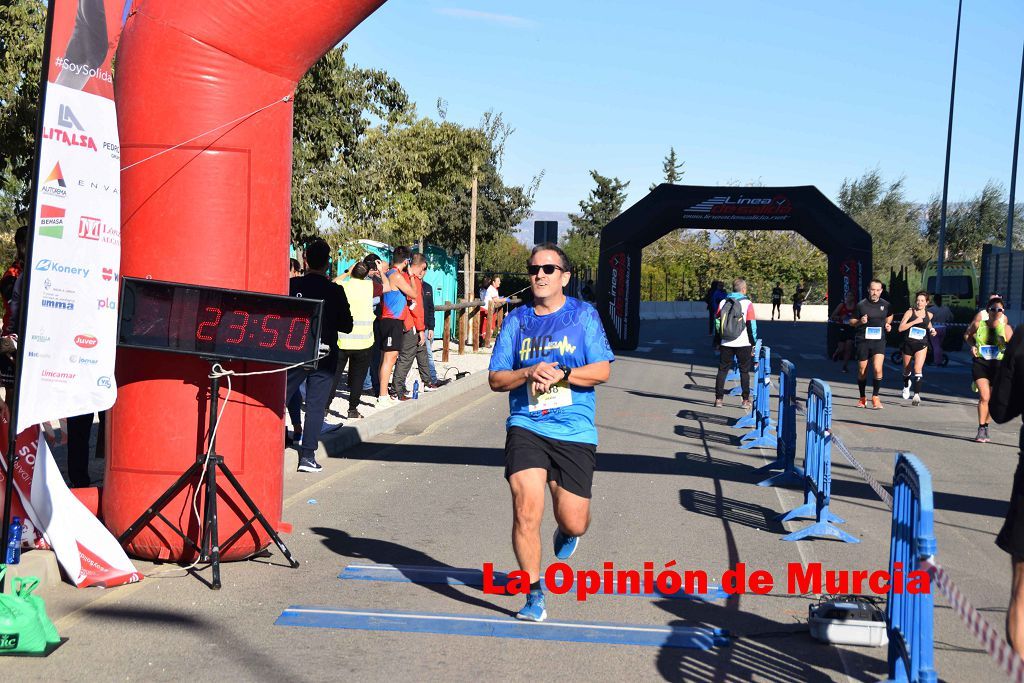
414,341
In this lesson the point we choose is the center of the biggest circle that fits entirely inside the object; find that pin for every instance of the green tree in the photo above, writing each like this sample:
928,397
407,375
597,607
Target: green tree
336,104
600,207
22,23
971,224
671,168
881,208
503,254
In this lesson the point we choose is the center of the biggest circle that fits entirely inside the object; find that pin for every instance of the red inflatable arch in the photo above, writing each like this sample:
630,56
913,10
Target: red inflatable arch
215,211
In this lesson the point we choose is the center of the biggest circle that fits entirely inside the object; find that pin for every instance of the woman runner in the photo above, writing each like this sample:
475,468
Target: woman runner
841,316
916,325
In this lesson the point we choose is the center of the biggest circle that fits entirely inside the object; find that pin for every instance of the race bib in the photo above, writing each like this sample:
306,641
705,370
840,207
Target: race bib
558,396
988,352
917,332
873,333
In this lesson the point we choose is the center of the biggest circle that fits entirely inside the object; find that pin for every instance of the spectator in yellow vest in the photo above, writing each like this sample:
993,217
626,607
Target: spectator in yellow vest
356,348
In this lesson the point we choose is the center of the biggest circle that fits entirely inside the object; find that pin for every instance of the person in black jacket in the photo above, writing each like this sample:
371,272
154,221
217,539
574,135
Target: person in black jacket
1007,402
337,317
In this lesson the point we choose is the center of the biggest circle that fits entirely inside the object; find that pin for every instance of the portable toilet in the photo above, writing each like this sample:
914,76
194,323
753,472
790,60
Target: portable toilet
364,247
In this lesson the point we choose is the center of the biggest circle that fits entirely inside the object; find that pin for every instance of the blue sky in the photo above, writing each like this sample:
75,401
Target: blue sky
784,93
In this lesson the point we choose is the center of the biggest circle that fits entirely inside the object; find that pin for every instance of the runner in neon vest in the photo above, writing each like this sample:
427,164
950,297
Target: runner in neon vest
987,335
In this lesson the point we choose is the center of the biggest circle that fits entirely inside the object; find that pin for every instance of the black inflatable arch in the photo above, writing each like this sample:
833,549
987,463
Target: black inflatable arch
804,210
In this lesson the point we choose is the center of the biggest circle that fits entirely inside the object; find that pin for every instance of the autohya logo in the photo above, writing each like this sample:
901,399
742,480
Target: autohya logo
54,186
726,205
103,382
106,305
85,341
50,266
67,119
110,275
51,221
90,228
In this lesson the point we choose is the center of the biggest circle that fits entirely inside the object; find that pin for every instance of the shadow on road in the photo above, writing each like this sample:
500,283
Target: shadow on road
385,552
742,513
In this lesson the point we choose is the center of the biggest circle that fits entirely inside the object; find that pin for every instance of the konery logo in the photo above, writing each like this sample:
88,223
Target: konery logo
50,266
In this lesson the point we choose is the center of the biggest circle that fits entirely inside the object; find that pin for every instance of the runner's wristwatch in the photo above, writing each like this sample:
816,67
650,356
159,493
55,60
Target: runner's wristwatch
566,370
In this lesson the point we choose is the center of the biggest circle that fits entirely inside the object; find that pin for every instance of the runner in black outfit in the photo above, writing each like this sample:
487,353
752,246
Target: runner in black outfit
777,300
872,319
916,325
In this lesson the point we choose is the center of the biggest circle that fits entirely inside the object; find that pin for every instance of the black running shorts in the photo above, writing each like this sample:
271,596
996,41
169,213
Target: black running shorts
568,463
984,369
866,348
912,346
391,332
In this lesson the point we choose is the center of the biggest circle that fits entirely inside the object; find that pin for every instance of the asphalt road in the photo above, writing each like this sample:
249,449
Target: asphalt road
671,486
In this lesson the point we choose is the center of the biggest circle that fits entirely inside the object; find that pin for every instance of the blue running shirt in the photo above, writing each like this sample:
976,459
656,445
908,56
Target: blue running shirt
572,336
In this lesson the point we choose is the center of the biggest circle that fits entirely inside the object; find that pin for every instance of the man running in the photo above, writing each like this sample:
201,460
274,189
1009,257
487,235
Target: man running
549,355
737,334
988,336
777,293
872,319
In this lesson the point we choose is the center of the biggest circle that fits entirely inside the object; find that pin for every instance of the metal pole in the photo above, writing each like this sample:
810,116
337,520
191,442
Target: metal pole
1016,149
11,457
949,143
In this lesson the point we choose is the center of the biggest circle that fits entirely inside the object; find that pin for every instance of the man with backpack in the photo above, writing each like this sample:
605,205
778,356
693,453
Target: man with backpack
736,332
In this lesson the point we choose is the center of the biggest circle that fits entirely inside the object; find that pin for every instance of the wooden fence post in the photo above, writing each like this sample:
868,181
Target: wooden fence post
447,334
476,328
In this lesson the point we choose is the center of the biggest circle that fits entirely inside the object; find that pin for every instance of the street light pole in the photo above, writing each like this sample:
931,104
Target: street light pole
949,143
1016,149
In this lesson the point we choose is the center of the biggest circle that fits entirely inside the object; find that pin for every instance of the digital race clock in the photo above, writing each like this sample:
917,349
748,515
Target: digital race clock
218,323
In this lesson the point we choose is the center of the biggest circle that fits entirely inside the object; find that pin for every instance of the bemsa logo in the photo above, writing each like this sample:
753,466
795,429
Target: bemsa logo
67,119
50,266
51,221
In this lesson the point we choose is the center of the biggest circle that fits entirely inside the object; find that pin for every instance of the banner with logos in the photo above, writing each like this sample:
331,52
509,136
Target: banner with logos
70,335
86,551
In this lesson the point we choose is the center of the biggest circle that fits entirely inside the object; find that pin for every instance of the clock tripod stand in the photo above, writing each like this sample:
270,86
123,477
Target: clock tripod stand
209,547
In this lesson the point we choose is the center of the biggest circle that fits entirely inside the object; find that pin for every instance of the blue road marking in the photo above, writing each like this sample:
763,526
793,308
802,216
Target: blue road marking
699,638
454,576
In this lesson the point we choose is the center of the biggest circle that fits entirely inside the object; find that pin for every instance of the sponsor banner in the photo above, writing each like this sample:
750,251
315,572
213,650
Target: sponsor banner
87,552
621,266
76,239
729,207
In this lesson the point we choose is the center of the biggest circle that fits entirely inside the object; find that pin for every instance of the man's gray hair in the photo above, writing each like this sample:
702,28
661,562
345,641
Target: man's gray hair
739,284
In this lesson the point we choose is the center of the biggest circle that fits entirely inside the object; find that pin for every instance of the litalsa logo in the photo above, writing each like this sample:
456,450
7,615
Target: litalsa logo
48,265
725,205
67,119
86,341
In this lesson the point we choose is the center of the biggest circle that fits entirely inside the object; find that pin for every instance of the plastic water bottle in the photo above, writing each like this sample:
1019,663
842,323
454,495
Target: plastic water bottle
416,389
14,544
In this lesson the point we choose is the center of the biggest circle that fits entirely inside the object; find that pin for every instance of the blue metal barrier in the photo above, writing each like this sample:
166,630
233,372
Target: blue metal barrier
734,372
909,618
817,470
785,433
760,417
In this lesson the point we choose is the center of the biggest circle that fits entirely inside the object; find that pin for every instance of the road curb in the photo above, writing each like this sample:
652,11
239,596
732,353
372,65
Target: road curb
338,441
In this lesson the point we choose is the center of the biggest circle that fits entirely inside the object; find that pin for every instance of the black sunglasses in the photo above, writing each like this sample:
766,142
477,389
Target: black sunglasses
996,310
548,268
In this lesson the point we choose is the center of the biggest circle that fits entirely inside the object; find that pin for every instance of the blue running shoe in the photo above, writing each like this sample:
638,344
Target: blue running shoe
565,546
534,608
